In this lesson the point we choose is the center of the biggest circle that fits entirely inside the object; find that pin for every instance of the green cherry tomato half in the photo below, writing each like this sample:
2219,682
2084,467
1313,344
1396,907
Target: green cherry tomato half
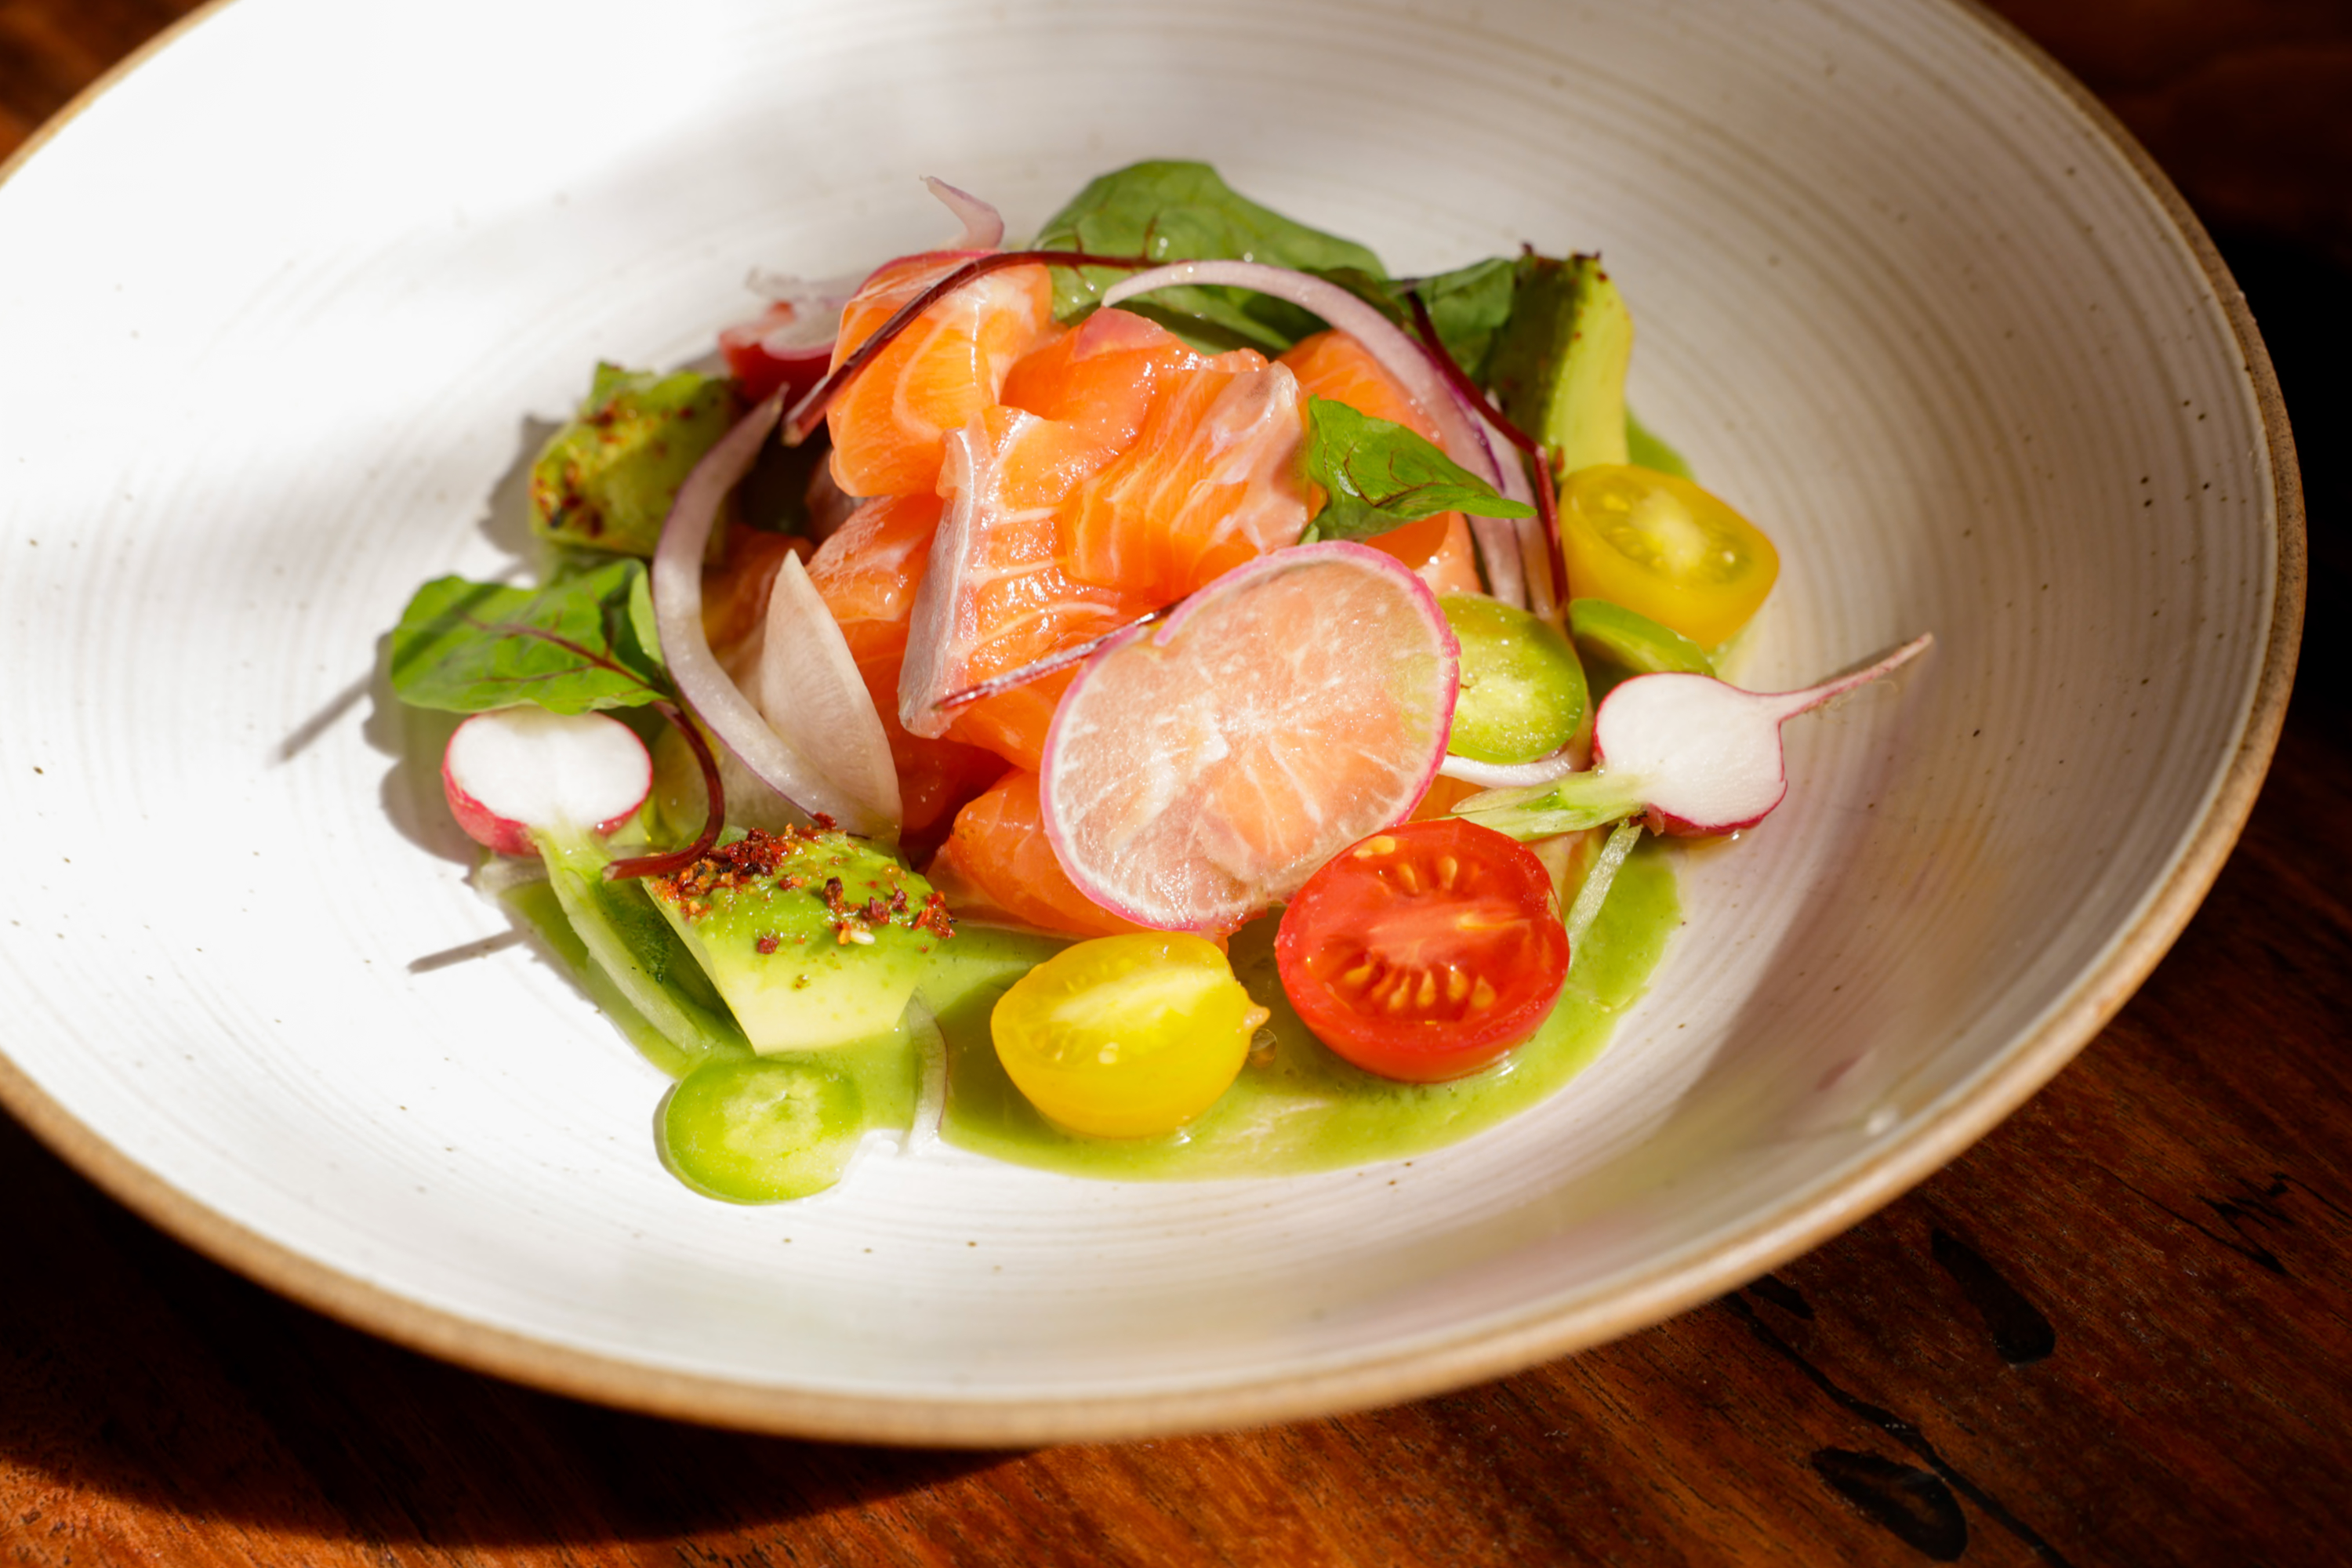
1426,951
1523,692
762,1129
1664,548
1125,1037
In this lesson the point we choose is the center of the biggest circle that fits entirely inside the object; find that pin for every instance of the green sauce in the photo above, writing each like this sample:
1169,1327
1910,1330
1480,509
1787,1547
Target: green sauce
1296,1107
1301,1108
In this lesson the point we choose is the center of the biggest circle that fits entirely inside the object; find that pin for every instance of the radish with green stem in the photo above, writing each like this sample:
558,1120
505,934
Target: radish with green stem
1687,754
515,773
524,781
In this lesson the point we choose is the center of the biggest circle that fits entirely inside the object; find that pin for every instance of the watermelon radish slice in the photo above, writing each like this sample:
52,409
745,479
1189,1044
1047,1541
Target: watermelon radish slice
1201,769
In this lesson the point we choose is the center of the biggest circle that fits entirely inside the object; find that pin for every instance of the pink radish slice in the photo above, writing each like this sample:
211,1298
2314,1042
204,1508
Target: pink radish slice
1706,757
515,772
1201,769
785,760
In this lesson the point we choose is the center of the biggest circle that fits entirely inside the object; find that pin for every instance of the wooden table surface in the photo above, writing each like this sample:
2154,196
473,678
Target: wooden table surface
2120,1331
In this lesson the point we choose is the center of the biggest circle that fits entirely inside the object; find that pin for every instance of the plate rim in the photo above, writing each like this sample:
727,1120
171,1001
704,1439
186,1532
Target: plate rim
1428,1364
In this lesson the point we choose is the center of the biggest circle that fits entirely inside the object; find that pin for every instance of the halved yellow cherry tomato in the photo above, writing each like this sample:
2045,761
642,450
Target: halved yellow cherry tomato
1664,548
1125,1037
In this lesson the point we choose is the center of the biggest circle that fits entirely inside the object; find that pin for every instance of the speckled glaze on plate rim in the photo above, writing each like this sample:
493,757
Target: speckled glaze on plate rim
1667,1285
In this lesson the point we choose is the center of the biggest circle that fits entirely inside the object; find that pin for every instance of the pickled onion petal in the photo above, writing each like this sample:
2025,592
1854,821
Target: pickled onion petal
983,227
786,763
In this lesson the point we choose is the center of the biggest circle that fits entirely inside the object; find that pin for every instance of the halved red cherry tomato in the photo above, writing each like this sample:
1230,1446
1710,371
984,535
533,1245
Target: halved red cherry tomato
767,352
1426,951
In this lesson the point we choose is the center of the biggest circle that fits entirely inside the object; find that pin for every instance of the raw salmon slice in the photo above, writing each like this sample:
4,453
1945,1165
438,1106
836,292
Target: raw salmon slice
1213,479
867,572
888,424
995,595
1102,376
1338,366
1000,853
735,592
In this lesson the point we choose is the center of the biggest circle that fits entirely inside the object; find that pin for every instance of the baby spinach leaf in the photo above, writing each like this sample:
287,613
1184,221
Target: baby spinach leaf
1379,475
585,643
1468,307
1173,211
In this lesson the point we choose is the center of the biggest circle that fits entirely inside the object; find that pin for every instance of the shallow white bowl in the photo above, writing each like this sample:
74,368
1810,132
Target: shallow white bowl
280,306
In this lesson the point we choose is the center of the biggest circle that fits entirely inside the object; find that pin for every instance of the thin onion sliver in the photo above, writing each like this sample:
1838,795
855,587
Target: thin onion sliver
792,770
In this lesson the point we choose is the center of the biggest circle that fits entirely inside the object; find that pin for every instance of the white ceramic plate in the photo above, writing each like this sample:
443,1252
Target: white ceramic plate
280,308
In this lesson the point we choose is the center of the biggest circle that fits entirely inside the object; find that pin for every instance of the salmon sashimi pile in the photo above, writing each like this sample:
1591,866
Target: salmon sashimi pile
1025,489
1181,569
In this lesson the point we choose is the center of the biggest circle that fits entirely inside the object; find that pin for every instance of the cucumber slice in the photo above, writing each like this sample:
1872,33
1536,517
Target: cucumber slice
762,1130
1523,692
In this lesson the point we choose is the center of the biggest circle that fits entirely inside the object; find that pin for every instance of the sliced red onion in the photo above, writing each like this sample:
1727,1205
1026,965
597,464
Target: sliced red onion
809,687
790,769
984,228
816,305
791,288
1459,430
932,668
1502,553
1501,541
1509,775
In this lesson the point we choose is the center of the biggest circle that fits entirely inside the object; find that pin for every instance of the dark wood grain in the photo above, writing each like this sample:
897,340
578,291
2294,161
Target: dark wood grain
2120,1331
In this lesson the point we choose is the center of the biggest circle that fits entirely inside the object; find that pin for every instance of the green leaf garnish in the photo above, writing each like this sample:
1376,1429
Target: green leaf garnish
1468,306
588,642
1173,211
1379,476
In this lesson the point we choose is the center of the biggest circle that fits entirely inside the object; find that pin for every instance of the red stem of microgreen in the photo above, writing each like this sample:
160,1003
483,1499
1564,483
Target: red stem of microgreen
1547,493
676,860
1547,515
1037,669
809,409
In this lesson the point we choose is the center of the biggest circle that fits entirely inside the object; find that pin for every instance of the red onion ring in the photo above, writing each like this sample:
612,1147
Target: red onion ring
790,770
1509,775
983,227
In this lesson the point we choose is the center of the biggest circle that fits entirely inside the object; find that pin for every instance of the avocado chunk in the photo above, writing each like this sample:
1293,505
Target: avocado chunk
1617,644
814,939
607,478
1558,365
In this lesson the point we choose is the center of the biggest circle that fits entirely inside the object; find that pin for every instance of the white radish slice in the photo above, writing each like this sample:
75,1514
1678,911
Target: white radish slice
1201,769
1460,431
1706,757
786,759
983,227
516,771
809,685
